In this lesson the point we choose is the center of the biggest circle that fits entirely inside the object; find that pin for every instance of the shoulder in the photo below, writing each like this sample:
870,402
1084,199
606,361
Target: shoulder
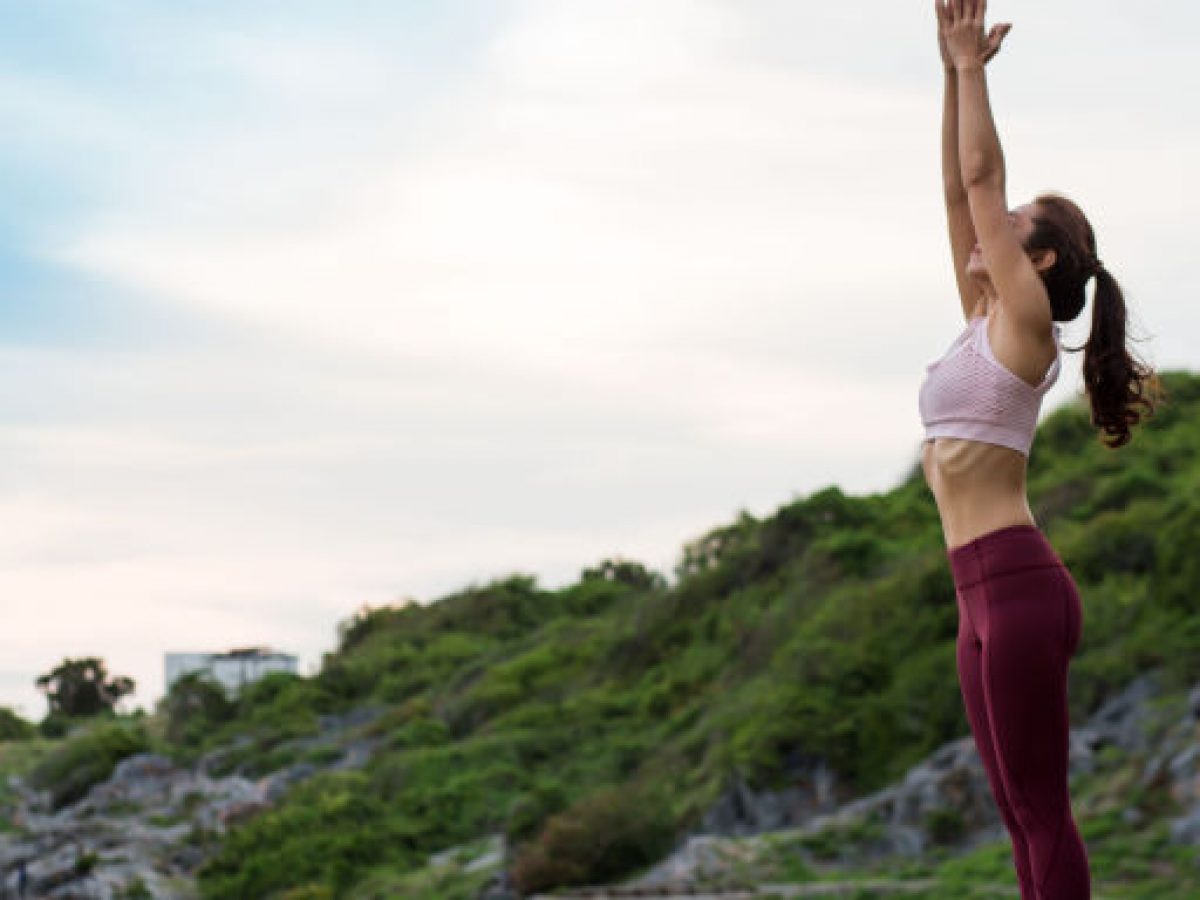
1025,351
1040,332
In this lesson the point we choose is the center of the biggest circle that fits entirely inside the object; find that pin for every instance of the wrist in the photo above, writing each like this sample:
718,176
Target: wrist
969,65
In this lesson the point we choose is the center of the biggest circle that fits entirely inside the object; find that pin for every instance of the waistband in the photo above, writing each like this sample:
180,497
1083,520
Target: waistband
1008,549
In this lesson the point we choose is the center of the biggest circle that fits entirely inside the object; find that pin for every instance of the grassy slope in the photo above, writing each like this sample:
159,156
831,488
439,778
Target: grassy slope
824,630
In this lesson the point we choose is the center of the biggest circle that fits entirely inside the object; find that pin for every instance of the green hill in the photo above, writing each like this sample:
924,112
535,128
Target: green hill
612,711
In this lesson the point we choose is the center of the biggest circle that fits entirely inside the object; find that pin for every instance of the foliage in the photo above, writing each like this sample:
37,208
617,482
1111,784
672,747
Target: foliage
331,831
86,758
821,634
135,889
13,727
627,572
603,836
195,704
81,687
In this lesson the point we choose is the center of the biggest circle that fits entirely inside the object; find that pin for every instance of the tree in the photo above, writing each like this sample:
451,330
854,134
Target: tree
79,687
195,704
624,571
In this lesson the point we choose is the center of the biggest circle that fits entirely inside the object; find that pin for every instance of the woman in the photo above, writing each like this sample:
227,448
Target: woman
1019,273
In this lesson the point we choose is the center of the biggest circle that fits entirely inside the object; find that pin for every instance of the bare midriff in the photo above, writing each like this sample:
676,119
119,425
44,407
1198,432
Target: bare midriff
978,487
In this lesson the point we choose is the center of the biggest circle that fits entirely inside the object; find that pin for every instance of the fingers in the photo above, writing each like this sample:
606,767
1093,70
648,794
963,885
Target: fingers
992,46
995,37
967,10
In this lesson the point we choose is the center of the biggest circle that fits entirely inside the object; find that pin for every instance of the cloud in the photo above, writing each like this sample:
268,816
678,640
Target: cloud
581,281
576,195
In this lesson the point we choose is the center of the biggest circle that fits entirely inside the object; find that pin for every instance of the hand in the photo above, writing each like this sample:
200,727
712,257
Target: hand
947,62
960,33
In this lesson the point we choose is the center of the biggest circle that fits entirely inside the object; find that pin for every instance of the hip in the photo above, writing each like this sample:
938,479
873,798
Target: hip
1012,584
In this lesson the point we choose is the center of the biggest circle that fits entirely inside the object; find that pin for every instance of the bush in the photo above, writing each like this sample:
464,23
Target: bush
135,890
529,811
945,825
70,770
13,727
1114,541
1176,579
328,831
607,834
846,554
54,726
1118,491
196,704
308,892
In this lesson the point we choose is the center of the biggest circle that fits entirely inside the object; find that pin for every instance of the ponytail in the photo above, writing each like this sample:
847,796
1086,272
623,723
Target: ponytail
1116,382
1122,390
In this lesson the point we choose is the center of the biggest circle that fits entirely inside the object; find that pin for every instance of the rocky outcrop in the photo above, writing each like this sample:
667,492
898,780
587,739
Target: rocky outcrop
139,825
952,783
152,822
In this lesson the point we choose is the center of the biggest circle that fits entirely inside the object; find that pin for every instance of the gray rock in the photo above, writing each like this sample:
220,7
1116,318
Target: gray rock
499,887
1120,719
114,819
952,777
740,810
277,784
141,766
1186,828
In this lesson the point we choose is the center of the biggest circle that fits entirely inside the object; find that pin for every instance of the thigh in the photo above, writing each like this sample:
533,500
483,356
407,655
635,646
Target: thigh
1026,638
969,657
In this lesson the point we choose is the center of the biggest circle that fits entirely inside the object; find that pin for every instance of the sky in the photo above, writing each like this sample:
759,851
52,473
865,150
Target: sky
311,306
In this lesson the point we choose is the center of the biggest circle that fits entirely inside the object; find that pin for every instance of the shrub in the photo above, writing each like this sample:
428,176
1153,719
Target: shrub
607,834
13,727
529,811
1114,541
308,892
945,825
1176,579
846,554
135,890
195,704
70,770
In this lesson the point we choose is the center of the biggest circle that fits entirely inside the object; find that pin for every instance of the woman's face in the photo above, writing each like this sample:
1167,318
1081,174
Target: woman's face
1021,221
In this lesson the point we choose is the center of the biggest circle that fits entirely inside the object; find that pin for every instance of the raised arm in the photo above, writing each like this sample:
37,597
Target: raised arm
958,213
1022,295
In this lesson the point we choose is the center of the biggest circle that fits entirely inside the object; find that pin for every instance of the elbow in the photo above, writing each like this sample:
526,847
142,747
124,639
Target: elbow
981,169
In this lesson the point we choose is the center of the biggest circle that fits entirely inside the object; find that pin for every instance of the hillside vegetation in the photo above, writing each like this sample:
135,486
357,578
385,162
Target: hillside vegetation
611,712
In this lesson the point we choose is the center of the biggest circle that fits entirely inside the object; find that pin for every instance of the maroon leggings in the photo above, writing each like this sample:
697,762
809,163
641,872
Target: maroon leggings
1019,623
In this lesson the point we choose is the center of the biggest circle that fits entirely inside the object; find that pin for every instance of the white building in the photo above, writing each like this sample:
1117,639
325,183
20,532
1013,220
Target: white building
232,669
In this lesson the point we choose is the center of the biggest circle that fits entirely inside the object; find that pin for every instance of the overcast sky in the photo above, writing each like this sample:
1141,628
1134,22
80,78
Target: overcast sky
310,305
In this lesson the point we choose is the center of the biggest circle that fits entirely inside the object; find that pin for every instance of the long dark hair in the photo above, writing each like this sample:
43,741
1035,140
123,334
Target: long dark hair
1116,381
